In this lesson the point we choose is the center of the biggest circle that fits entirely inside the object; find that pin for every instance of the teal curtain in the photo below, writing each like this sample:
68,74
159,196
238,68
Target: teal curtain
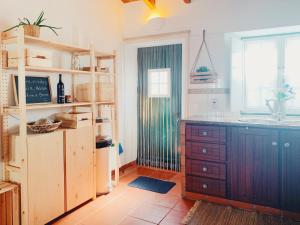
158,118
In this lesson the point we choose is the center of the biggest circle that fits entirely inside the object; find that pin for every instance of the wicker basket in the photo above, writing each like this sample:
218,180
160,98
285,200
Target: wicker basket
32,30
44,128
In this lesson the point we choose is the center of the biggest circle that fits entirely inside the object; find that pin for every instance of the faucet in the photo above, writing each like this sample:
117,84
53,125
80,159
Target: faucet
282,95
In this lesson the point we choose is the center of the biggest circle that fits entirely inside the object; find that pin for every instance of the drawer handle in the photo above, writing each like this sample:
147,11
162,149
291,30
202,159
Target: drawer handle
204,169
204,133
204,186
287,145
204,151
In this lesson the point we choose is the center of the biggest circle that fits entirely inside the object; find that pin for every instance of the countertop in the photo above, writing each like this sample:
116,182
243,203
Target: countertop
227,119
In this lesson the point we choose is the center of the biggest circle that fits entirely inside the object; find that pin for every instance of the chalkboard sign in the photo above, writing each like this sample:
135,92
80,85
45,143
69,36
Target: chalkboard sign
38,90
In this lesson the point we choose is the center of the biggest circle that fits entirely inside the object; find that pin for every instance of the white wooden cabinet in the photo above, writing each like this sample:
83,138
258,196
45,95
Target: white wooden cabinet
79,158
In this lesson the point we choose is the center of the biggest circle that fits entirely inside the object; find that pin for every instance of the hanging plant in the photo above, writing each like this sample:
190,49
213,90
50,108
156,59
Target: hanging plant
33,29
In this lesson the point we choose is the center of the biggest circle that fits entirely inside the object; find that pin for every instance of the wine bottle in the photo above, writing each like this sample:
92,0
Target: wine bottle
60,91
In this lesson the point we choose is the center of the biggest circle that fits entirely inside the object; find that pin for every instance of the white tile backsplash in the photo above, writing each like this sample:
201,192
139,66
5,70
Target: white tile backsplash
205,103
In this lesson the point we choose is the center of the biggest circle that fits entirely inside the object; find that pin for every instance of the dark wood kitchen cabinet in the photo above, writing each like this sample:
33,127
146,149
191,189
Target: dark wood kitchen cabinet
252,166
206,161
255,166
290,149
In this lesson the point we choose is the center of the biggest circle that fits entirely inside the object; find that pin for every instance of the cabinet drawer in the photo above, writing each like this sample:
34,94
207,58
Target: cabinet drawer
205,151
206,169
206,133
206,186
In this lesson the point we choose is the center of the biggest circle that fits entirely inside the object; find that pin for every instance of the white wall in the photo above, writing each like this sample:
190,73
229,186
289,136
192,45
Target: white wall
217,17
97,21
82,21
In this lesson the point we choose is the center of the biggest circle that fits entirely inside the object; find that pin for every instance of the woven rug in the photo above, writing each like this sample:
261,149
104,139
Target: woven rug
204,213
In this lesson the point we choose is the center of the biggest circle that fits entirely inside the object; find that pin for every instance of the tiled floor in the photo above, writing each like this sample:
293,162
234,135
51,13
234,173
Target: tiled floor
130,206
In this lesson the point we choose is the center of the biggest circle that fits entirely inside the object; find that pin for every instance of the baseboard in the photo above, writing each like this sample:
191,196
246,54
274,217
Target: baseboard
125,167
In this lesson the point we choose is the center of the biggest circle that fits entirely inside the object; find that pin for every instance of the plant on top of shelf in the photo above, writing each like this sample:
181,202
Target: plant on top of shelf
33,29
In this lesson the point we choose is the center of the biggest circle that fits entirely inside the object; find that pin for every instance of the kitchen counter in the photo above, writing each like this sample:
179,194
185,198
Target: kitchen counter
240,161
238,120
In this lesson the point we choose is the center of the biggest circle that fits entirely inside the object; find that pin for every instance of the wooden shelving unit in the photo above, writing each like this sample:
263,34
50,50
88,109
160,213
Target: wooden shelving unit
100,58
22,109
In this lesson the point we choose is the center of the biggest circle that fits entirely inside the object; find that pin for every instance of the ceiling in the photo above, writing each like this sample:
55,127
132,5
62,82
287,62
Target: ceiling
151,3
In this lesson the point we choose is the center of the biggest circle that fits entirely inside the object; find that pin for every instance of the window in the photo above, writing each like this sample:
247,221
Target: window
260,69
268,63
292,70
159,83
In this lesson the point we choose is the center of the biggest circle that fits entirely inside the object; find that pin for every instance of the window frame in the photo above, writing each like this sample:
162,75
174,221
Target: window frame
168,70
280,40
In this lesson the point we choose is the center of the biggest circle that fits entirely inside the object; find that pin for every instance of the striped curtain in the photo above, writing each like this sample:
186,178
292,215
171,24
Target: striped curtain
158,118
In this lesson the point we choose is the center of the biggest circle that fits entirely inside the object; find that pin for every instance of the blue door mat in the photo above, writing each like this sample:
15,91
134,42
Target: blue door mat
151,184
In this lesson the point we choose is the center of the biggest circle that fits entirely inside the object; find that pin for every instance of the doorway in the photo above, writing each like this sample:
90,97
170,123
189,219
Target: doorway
130,113
159,106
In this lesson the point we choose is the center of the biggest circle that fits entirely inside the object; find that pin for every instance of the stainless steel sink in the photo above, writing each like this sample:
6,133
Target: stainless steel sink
259,120
270,121
291,122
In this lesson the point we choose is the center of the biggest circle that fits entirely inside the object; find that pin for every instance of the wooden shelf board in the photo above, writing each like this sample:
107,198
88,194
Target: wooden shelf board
203,81
104,74
105,103
47,106
102,123
203,74
50,70
13,169
48,44
10,40
103,55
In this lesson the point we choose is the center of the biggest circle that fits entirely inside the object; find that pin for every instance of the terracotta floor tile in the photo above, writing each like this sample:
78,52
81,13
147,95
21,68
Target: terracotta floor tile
176,190
150,212
125,202
165,200
184,205
173,218
134,221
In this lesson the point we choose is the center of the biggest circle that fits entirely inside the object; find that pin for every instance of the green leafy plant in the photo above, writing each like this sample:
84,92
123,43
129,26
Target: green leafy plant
39,23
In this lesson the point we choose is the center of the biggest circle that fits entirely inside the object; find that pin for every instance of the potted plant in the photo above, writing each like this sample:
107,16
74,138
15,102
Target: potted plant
33,29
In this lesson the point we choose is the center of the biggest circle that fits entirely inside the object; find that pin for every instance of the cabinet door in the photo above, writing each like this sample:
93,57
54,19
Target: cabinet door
79,150
255,166
45,177
291,171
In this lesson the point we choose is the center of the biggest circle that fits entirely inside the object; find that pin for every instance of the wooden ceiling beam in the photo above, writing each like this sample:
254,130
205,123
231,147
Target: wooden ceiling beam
150,3
128,1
